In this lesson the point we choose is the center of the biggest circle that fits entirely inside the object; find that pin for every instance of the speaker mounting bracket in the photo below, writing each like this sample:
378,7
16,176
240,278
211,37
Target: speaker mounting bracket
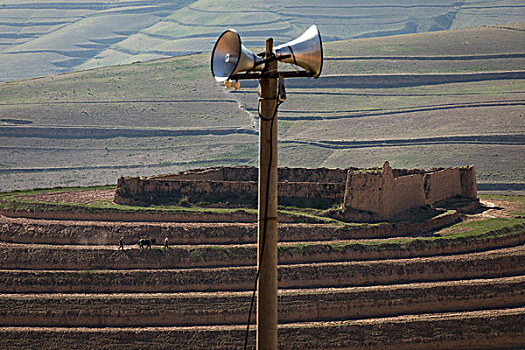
260,75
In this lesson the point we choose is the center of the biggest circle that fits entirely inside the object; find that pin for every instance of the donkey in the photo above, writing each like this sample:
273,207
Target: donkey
146,242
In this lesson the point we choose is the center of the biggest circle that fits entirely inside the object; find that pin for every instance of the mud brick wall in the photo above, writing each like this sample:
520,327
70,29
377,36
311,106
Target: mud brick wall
246,173
408,192
311,194
405,172
365,192
236,185
393,191
317,188
442,184
243,173
147,190
322,175
371,194
469,188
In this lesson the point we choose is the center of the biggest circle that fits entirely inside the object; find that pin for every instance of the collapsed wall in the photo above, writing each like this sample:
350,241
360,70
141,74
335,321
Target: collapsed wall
248,173
242,173
366,192
408,193
442,184
386,193
362,194
318,188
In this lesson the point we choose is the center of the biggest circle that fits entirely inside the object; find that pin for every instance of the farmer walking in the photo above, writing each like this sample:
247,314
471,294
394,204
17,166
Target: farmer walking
121,243
166,243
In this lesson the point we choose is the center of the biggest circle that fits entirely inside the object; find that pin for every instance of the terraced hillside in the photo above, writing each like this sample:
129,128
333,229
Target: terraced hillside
390,285
440,99
42,38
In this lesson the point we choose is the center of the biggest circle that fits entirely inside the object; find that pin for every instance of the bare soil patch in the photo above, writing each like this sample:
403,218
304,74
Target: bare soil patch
496,208
79,197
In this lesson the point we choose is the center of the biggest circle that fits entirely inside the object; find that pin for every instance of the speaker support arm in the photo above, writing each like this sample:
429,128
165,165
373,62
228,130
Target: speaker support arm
261,75
271,59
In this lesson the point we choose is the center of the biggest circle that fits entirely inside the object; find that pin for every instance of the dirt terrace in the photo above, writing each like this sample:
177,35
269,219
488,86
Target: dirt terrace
81,197
23,230
66,284
35,256
488,264
222,308
481,329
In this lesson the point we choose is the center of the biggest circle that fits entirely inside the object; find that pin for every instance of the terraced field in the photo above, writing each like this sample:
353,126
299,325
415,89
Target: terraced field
42,38
439,99
390,285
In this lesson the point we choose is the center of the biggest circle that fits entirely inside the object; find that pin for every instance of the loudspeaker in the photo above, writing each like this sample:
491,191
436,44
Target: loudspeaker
230,57
306,51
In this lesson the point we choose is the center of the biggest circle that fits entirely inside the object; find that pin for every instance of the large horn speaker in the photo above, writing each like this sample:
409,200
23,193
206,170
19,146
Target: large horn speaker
306,51
230,57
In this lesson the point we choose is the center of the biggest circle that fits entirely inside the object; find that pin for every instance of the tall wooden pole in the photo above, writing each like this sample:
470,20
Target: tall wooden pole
267,214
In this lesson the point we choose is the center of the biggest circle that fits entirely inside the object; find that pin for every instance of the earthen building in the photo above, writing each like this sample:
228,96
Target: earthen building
369,194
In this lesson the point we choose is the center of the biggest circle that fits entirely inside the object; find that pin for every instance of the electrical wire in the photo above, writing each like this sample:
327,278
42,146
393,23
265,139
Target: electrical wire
267,194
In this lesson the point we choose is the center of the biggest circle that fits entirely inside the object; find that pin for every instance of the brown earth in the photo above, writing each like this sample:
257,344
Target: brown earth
223,308
483,329
64,283
24,230
487,264
81,197
36,256
116,215
499,208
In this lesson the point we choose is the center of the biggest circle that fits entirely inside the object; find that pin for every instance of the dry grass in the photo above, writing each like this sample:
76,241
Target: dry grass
90,127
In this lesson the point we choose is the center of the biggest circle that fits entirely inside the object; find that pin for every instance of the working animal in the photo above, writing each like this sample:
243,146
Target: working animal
147,242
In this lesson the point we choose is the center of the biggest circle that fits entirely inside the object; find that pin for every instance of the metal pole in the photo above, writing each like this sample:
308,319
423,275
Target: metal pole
267,214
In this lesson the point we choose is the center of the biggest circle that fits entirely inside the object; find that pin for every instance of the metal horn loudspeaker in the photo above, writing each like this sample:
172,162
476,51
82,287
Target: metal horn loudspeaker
230,57
306,51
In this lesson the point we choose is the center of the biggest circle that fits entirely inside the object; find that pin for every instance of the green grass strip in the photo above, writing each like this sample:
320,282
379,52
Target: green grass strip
463,232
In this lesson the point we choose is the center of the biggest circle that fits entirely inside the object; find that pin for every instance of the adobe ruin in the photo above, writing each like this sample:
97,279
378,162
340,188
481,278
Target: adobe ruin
360,194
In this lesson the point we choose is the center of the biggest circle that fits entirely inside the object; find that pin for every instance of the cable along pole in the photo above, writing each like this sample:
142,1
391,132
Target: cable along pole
267,209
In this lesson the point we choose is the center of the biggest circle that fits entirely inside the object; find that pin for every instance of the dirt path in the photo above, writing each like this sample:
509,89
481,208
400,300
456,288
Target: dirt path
498,209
